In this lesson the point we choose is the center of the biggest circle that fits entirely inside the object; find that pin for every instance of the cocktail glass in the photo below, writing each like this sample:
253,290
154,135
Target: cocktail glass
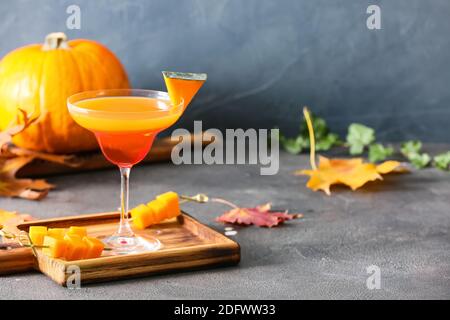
125,123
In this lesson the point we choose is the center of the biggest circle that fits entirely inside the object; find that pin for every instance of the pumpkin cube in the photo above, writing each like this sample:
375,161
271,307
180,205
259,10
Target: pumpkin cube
142,216
56,247
57,232
76,248
94,247
172,202
80,231
37,234
160,210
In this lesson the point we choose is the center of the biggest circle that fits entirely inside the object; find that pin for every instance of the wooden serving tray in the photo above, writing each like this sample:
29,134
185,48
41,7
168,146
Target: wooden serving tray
186,244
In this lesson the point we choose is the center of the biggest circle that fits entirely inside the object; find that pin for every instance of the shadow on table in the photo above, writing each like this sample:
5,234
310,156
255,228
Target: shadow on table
253,256
163,276
390,183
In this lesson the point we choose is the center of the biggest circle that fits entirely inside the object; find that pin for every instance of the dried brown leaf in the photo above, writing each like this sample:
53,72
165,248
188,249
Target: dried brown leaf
260,216
11,162
10,219
22,121
67,160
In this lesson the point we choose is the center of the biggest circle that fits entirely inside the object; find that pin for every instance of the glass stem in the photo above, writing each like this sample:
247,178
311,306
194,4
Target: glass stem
124,227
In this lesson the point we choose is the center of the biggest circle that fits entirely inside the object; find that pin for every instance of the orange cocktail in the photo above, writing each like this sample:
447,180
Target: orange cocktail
125,126
125,122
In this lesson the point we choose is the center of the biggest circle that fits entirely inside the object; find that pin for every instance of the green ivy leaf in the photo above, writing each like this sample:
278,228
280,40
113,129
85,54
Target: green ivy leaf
327,142
442,161
292,145
359,136
410,148
324,139
378,152
420,160
319,125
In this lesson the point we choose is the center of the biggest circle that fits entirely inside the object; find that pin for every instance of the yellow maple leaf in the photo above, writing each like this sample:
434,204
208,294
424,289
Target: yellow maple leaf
10,219
353,172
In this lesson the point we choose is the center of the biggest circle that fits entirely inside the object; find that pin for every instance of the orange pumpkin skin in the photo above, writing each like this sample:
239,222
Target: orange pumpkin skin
39,79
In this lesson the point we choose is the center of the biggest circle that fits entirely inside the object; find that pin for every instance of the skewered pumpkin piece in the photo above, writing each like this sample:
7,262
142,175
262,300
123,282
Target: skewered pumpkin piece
142,216
94,247
76,248
165,206
159,209
172,203
37,234
55,246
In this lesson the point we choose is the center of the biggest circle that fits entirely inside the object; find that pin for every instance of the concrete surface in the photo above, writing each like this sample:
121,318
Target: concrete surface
400,225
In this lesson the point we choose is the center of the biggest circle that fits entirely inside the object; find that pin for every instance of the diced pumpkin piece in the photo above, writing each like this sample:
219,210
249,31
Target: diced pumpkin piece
56,246
57,232
160,210
81,231
163,207
142,216
183,85
94,247
172,202
37,234
76,248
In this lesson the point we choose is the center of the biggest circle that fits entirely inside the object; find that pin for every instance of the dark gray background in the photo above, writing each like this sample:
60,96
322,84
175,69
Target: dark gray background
265,59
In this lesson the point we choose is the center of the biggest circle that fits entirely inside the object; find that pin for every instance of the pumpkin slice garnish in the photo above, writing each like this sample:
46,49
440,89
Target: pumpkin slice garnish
182,85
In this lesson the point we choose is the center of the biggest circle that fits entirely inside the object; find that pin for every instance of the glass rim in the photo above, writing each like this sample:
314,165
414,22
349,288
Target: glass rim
91,94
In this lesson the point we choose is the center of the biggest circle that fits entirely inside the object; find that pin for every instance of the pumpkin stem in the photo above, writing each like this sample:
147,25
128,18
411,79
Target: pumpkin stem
312,140
55,40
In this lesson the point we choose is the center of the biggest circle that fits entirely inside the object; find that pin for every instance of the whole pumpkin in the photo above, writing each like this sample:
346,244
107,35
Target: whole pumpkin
39,79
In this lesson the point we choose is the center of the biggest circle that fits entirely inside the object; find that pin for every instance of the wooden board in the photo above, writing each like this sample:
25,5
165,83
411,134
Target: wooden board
16,260
88,161
186,244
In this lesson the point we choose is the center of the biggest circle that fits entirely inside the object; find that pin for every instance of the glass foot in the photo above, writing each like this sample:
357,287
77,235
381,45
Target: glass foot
131,244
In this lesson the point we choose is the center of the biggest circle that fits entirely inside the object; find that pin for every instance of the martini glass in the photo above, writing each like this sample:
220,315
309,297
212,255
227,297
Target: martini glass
125,123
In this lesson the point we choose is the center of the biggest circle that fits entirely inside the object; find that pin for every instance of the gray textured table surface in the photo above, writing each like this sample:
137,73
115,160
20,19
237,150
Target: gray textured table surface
401,225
